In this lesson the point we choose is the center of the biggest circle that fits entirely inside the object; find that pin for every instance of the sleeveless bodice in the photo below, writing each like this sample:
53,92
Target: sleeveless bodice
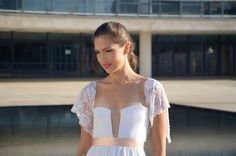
133,122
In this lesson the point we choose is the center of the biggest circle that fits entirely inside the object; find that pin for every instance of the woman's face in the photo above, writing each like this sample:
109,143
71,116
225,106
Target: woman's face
109,55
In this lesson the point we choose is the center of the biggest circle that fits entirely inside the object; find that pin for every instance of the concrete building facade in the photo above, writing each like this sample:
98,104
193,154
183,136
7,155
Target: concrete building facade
173,38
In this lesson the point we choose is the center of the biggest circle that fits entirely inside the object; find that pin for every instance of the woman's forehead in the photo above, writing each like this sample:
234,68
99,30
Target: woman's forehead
102,42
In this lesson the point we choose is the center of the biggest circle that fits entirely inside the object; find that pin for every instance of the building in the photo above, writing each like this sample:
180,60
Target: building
52,38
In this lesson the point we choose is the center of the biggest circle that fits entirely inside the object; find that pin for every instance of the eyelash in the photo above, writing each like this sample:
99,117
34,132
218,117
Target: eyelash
97,52
109,50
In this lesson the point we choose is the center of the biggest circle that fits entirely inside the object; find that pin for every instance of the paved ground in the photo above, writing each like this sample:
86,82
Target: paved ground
213,93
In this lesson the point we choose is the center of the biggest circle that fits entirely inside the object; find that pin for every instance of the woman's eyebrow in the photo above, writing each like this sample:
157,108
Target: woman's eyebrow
104,48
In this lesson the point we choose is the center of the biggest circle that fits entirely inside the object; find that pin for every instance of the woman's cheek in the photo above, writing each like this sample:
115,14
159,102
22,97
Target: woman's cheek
98,59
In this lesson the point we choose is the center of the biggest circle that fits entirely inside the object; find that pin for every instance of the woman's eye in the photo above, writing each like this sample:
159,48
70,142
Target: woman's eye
110,50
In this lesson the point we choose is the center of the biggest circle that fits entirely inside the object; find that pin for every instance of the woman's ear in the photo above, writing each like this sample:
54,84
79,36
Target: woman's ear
127,48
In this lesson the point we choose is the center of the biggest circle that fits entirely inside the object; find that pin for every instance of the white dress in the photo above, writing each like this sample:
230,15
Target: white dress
135,119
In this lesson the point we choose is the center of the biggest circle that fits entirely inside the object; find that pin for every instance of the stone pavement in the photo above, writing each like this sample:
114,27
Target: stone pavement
211,93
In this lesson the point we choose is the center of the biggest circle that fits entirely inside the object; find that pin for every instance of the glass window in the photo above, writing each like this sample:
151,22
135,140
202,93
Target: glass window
228,38
11,4
36,5
105,6
170,7
5,35
30,57
130,6
191,8
30,36
5,59
179,38
5,54
144,6
197,38
80,6
64,54
30,53
227,60
172,38
165,60
216,8
180,60
206,8
62,59
234,59
90,6
61,6
65,38
196,59
229,7
211,53
165,38
155,7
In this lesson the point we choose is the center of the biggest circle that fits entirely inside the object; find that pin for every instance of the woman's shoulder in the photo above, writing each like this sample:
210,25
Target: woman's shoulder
89,88
152,84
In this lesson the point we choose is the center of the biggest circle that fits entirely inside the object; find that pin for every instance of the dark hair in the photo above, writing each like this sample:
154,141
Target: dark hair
120,35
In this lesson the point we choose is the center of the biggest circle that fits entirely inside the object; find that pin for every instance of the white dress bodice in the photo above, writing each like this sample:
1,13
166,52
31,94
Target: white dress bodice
134,123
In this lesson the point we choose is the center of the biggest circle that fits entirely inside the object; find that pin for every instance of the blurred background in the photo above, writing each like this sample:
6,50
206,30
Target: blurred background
46,57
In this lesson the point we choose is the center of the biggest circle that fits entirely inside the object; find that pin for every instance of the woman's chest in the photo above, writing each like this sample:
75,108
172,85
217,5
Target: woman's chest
128,122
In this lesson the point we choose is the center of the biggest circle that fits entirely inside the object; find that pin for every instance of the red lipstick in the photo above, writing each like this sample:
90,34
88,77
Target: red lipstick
107,65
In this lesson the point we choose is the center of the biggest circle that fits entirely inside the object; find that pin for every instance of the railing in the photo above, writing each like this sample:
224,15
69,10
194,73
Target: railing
159,8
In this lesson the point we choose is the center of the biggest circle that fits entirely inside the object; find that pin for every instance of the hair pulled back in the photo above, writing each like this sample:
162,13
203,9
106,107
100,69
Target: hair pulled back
119,35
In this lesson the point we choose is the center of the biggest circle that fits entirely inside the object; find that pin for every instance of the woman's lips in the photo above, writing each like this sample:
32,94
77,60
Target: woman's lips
107,65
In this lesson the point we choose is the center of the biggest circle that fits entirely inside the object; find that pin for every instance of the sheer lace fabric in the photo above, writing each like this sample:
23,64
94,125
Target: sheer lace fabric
154,95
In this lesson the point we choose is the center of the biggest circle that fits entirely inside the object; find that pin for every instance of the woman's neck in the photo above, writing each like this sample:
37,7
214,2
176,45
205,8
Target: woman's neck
123,76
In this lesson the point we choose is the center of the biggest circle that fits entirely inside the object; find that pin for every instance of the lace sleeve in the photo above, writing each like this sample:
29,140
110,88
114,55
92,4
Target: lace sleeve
83,108
158,101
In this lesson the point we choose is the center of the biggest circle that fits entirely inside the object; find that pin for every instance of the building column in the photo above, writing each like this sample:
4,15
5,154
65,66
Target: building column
145,54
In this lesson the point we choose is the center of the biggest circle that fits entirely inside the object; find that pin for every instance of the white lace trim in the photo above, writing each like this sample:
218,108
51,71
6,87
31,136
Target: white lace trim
83,107
155,98
157,101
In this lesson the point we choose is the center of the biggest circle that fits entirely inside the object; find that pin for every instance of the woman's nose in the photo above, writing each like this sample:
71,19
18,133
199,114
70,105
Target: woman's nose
103,57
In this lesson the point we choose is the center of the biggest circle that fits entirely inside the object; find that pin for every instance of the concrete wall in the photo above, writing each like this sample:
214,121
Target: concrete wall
76,24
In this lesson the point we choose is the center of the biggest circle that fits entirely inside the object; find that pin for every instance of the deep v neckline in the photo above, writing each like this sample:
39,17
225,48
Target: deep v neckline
115,119
116,115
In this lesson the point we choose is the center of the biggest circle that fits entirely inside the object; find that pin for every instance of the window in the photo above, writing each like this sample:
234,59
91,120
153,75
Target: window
170,7
191,8
216,8
129,6
144,7
229,8
104,6
11,4
155,7
36,5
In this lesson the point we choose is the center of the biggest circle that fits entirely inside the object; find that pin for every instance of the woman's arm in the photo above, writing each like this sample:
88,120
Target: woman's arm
158,134
85,143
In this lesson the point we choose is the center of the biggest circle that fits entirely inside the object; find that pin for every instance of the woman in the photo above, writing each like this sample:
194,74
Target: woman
117,113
